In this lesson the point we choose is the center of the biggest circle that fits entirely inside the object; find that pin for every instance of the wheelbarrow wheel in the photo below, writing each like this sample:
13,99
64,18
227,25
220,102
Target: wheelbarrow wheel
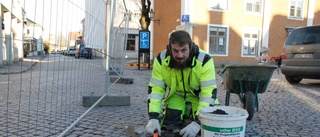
249,103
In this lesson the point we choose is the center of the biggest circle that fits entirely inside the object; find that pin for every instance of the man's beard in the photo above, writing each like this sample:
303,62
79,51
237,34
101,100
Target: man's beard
179,66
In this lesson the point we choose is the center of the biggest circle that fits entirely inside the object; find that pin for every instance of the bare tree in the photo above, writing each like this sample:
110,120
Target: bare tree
145,19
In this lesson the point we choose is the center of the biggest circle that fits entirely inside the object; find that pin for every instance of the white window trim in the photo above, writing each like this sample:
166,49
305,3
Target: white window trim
228,6
302,11
227,39
245,29
253,13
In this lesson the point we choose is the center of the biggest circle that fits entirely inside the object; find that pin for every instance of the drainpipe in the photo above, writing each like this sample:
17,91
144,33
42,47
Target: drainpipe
1,39
310,12
151,35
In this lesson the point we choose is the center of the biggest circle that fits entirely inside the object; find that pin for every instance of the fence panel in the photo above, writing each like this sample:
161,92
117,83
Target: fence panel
42,92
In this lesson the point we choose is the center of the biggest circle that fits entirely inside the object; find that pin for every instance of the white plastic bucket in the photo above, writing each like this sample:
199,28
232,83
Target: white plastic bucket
219,125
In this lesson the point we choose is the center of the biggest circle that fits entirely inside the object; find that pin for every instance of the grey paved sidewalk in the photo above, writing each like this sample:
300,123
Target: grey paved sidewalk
21,66
284,109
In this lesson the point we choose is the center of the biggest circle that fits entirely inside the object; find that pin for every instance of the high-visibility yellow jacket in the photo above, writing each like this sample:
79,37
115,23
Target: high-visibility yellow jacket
199,79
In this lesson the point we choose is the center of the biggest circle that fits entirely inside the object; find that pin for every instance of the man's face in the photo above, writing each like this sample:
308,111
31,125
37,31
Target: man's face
180,54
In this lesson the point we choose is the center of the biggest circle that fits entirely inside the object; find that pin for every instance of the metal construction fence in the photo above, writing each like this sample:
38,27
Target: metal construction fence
42,93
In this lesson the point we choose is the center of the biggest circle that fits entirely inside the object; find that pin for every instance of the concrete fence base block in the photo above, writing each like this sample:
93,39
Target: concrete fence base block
109,100
122,80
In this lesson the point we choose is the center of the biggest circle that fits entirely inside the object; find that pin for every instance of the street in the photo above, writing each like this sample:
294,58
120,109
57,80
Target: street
46,99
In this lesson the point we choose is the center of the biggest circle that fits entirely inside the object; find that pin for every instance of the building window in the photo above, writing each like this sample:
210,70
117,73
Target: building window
295,7
250,45
218,40
131,42
28,31
218,5
253,6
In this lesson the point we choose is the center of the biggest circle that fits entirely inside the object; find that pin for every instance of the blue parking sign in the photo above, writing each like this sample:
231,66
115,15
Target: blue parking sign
144,39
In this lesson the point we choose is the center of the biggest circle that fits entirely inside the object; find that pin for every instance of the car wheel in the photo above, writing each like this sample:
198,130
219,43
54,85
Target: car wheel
292,79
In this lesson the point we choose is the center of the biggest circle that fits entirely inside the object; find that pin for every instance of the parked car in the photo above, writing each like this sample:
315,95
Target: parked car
59,51
71,51
82,51
65,52
302,52
94,53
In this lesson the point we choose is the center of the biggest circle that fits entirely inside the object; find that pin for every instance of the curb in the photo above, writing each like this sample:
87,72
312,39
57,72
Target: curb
25,69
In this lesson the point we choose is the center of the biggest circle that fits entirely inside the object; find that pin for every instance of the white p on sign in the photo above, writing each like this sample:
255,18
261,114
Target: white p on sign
144,37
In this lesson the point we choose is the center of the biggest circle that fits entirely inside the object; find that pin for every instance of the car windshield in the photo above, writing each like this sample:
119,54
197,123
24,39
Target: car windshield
310,35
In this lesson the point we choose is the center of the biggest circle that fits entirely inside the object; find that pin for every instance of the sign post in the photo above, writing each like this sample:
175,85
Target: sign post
144,45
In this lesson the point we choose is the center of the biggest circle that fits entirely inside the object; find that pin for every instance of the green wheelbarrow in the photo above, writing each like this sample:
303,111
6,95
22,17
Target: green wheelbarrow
247,81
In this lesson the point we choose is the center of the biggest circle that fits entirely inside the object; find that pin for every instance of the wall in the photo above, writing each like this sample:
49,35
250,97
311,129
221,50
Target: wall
12,17
236,19
167,11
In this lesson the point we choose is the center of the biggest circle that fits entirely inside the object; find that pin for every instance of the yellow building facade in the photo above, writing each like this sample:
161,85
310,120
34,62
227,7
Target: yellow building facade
233,31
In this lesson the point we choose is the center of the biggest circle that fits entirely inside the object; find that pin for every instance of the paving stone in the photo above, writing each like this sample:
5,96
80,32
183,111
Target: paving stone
72,135
284,109
98,133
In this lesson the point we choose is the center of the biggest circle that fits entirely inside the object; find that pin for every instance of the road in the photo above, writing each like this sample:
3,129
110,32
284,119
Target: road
51,100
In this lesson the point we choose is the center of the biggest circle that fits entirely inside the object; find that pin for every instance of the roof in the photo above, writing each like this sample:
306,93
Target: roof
32,22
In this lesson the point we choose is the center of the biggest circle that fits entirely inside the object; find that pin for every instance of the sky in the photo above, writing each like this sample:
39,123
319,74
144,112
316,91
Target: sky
58,17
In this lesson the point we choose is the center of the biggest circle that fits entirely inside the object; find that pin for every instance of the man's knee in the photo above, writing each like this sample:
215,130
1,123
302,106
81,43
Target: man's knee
173,119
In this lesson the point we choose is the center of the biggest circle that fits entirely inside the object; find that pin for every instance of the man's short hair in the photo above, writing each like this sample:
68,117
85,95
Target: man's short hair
180,37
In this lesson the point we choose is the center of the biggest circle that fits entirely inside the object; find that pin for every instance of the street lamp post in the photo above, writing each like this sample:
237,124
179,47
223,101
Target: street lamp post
151,15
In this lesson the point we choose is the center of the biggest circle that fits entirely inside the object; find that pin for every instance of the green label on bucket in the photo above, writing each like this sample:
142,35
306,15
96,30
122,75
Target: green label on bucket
222,130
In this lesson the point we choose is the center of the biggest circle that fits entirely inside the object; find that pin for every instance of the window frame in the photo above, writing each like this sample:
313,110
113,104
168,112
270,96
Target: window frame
131,39
257,50
226,39
252,11
294,17
219,1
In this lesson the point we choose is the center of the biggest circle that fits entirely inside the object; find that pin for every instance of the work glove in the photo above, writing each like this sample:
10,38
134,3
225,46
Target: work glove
152,126
191,130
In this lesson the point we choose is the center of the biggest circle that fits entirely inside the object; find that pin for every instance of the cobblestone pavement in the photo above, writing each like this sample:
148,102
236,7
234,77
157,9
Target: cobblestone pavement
284,109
